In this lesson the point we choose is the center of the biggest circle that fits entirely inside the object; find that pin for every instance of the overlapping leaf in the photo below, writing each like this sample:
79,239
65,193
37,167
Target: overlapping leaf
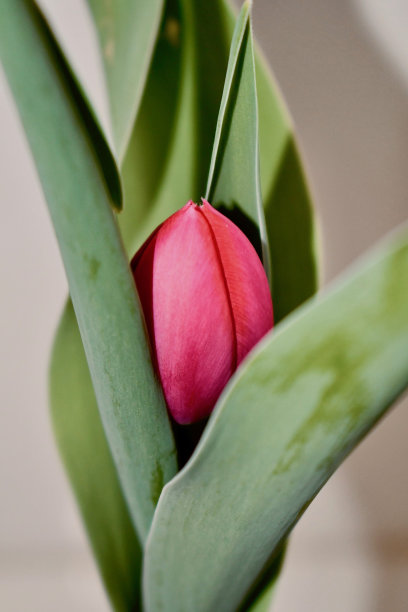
233,181
127,32
101,286
159,167
293,411
87,458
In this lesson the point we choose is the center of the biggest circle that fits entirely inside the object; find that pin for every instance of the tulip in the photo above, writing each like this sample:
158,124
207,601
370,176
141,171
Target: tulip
206,302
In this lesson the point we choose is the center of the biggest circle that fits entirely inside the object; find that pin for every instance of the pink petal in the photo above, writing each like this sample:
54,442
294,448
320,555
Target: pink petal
206,302
190,321
247,283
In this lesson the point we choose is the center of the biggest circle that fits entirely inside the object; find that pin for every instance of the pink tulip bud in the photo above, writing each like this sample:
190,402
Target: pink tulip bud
206,301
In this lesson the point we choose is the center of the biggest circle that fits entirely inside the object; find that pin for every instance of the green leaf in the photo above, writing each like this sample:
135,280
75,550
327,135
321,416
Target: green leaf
87,458
127,31
169,152
189,70
156,171
100,148
297,406
103,292
142,165
233,180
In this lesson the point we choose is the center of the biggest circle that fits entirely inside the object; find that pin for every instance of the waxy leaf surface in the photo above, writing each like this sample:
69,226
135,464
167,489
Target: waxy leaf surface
88,460
234,181
102,289
296,407
127,31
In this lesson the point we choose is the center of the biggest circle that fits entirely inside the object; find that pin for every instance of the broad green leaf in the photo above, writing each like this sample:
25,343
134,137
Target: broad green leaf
103,293
297,406
75,400
127,31
100,147
233,180
169,152
87,458
158,170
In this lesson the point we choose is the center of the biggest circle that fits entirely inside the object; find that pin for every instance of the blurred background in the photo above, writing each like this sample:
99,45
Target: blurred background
343,70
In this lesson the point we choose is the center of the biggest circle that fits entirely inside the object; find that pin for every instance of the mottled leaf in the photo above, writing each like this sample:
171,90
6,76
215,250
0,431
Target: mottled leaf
294,410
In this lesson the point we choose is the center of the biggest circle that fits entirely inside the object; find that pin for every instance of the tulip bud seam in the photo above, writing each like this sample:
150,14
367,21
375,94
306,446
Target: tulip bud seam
199,208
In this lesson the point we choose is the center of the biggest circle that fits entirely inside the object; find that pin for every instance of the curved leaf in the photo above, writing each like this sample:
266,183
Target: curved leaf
100,148
156,171
87,458
127,31
297,406
102,289
233,180
194,52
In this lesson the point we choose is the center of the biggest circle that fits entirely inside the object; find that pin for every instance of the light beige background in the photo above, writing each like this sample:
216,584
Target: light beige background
342,67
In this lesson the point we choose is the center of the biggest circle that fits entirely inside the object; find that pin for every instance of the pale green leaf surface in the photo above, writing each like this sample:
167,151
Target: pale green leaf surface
101,150
146,165
297,406
102,289
101,147
169,152
159,168
233,180
127,30
87,458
